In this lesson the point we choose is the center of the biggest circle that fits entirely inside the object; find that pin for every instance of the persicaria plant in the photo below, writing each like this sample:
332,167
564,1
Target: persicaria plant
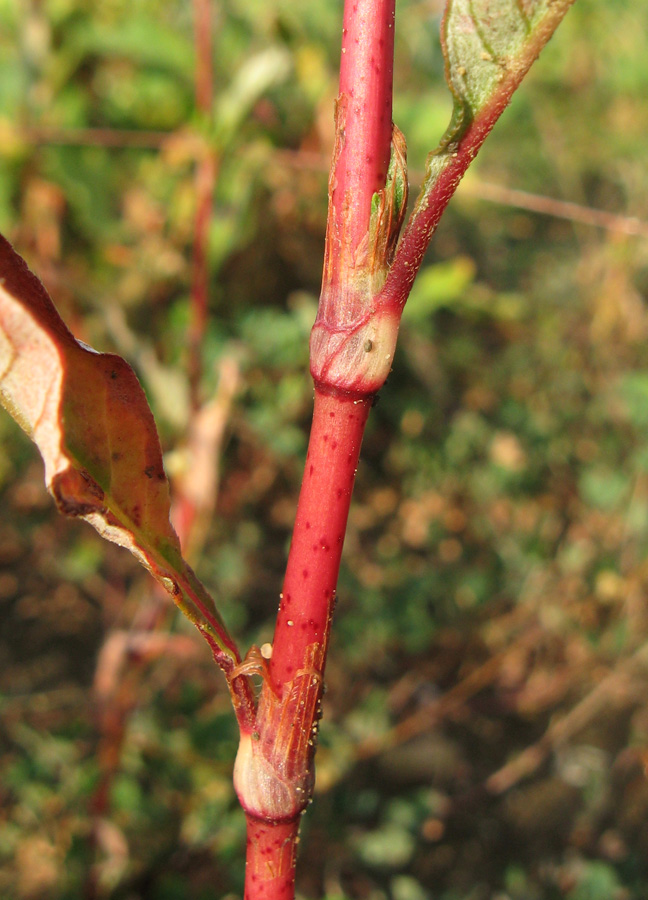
88,415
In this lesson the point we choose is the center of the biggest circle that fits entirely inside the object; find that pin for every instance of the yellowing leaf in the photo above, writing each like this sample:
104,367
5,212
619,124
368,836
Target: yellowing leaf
89,417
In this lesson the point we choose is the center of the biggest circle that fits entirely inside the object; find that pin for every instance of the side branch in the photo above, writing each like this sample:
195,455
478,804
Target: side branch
467,131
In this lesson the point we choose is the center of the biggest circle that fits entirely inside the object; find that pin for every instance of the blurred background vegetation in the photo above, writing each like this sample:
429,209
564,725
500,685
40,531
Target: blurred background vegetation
486,721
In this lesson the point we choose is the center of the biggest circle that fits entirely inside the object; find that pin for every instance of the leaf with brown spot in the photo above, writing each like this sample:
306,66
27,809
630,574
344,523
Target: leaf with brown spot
88,415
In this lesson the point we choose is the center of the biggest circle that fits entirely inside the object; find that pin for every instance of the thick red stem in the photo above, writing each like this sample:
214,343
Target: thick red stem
364,127
314,560
273,774
270,860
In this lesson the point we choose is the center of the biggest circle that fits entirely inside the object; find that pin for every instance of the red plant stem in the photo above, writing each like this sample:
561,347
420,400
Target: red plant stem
423,224
274,767
206,171
205,182
203,45
314,560
270,860
364,125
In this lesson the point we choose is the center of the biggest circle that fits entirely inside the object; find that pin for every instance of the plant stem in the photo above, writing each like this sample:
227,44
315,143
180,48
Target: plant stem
366,74
270,860
314,561
274,774
449,162
274,766
363,135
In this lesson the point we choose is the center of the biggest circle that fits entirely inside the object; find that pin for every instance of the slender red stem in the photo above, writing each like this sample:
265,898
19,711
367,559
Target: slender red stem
424,221
364,127
274,767
273,774
203,45
431,205
270,860
314,560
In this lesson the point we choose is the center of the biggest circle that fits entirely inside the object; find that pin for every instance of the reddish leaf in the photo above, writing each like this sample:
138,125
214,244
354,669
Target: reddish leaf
89,417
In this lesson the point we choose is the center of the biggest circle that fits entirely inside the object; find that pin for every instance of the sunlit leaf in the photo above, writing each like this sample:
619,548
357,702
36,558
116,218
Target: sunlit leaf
89,417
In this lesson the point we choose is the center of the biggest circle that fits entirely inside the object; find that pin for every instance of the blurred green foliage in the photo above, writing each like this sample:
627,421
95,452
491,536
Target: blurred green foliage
495,571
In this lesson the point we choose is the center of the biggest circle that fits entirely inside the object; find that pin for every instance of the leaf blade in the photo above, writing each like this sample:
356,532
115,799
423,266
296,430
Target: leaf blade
89,417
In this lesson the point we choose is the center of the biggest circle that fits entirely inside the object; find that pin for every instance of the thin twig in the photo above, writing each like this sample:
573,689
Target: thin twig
625,683
300,159
549,206
94,137
446,704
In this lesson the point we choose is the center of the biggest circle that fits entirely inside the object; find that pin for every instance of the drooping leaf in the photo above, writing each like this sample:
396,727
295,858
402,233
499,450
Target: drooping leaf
488,47
88,415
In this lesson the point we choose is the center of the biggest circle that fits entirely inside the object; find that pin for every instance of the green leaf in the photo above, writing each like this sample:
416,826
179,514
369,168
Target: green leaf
89,417
487,43
488,47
